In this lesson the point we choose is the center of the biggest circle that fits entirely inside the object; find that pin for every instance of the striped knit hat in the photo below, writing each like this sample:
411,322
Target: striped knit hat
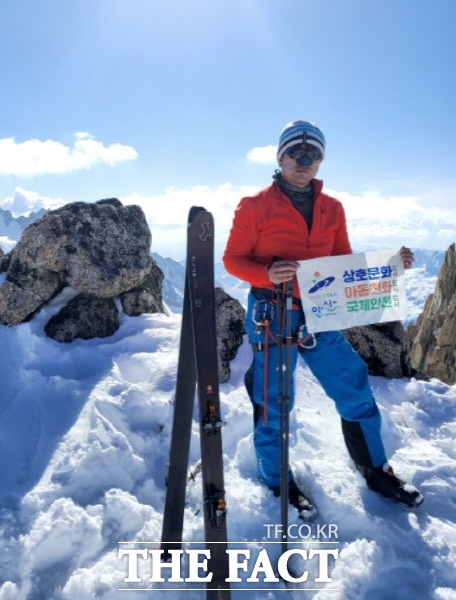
300,132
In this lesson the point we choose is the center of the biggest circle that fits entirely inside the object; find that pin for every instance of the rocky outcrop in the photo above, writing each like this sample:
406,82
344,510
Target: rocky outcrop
4,261
230,328
84,317
146,298
433,338
384,347
100,249
25,291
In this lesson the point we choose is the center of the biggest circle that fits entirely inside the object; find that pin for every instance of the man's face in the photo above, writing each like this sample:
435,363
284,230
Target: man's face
296,174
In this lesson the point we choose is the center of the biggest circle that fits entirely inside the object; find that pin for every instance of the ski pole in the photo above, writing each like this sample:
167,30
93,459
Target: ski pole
286,404
282,400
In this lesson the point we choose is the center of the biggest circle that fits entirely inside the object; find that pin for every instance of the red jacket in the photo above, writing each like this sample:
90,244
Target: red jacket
267,225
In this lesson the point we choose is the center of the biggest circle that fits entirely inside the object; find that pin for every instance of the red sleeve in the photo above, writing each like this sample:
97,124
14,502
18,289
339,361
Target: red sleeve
341,242
241,242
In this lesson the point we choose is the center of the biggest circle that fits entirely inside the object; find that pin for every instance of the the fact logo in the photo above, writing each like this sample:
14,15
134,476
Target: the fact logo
239,561
147,566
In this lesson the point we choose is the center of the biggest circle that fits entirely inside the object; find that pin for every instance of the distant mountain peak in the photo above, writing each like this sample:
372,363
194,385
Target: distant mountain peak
12,227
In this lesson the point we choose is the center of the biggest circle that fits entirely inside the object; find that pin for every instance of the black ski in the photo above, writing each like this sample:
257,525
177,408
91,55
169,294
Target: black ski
173,516
198,364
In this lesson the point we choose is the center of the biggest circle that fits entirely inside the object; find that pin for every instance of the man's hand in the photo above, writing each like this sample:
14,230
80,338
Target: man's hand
407,257
282,270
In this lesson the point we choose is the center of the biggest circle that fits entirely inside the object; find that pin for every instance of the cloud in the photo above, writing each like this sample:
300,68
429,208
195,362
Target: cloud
430,192
36,157
376,221
264,155
167,214
24,202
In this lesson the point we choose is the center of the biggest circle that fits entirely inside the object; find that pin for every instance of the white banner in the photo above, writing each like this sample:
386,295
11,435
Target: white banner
351,290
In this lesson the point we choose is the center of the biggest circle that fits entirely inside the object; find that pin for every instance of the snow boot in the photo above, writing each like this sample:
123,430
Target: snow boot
384,481
297,499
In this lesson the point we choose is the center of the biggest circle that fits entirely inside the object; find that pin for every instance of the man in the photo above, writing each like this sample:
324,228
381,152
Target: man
292,220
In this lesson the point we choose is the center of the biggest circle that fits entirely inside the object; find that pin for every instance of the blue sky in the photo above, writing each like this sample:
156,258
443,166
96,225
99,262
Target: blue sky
161,102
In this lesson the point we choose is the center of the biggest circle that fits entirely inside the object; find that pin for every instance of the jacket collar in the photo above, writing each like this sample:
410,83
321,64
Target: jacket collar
275,192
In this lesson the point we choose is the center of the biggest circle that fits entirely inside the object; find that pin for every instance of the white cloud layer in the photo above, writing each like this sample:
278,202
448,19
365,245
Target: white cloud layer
167,214
36,157
379,221
263,155
375,220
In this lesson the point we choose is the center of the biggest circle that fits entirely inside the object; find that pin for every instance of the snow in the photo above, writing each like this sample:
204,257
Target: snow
84,439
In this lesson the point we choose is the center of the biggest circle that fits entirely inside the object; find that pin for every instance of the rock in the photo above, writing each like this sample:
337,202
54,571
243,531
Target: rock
146,298
442,362
3,261
84,317
25,291
101,249
229,322
383,347
433,337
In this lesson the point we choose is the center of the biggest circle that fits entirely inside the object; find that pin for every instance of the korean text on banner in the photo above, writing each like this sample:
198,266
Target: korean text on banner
351,290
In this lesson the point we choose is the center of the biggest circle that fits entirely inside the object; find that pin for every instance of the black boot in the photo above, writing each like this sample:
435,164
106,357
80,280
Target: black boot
297,499
384,481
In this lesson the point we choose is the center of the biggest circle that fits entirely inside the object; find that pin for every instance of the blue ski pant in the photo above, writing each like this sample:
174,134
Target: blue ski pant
340,371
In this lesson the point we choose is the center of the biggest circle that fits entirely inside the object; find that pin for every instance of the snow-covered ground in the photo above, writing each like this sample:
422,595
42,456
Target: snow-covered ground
84,439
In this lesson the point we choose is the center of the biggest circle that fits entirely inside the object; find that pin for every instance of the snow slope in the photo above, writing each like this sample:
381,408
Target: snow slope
84,437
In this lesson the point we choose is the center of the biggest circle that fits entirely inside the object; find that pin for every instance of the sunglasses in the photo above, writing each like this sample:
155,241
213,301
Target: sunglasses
311,153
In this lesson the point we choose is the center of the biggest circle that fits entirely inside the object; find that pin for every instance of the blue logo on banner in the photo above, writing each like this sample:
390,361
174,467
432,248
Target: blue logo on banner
321,284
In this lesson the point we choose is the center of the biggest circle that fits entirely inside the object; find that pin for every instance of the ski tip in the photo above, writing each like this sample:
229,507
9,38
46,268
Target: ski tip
194,210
